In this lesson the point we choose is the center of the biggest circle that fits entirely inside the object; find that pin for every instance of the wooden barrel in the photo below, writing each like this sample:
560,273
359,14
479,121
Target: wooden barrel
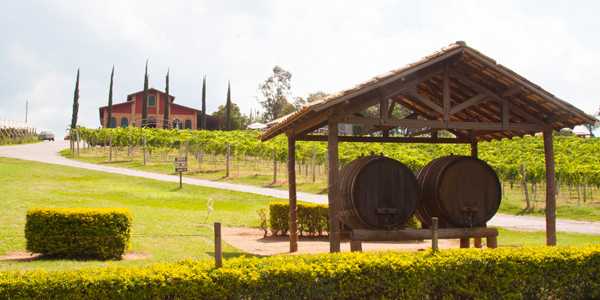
377,192
462,191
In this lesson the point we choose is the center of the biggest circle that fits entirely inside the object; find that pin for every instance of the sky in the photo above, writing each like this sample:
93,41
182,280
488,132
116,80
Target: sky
326,46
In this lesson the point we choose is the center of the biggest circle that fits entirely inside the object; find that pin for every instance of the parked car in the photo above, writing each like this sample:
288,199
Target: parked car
47,135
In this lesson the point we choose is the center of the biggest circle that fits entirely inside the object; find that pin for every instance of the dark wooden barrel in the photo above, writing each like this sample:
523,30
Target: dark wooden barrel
377,192
462,191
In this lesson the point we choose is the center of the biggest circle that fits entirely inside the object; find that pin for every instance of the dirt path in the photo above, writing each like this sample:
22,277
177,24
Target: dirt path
48,152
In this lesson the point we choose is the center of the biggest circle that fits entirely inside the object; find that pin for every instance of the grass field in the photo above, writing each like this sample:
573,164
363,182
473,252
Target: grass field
169,223
570,202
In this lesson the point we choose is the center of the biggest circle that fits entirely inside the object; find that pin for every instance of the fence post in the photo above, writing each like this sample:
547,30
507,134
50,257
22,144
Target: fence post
218,249
110,145
275,165
434,234
144,150
525,185
314,164
187,146
77,132
227,172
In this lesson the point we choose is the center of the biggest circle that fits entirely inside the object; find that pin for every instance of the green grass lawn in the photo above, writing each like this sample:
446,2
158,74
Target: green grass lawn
164,215
169,223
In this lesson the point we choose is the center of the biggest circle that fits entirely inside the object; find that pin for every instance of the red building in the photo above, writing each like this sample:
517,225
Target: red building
130,113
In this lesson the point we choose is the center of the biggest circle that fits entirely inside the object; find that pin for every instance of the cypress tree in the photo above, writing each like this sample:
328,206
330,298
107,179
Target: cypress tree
203,114
228,107
75,103
110,92
145,100
167,103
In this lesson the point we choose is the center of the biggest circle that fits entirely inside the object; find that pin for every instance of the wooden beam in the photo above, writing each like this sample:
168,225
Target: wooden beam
423,132
333,185
370,139
293,207
483,89
446,95
447,125
477,98
558,118
421,234
550,189
426,101
383,110
513,90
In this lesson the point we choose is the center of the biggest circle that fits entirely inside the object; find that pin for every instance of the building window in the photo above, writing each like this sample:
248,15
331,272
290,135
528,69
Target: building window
176,124
113,123
188,124
151,123
124,122
151,100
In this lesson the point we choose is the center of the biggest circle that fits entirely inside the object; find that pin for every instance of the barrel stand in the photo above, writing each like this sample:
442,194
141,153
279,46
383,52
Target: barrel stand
357,236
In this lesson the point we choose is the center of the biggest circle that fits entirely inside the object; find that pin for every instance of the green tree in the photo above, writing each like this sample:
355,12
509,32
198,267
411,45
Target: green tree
238,120
203,115
274,92
167,103
592,127
228,108
110,94
145,99
312,97
75,103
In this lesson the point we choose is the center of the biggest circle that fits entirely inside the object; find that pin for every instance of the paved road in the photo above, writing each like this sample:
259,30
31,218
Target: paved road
47,152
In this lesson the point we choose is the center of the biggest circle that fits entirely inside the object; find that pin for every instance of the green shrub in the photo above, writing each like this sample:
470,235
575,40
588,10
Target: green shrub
504,273
312,218
279,218
78,233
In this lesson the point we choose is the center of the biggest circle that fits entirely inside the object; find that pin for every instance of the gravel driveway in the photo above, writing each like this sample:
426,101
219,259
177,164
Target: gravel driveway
48,152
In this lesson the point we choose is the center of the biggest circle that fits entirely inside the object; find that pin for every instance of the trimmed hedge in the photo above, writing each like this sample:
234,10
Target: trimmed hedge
78,233
504,273
312,218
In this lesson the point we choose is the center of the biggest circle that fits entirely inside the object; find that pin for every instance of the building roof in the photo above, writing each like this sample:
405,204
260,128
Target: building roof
456,88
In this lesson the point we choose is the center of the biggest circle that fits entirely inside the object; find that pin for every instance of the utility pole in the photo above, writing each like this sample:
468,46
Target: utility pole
26,110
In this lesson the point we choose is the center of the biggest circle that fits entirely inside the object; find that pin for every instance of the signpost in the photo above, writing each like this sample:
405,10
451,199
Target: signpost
180,166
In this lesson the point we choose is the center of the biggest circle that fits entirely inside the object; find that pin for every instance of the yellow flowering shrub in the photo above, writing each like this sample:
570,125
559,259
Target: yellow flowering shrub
504,273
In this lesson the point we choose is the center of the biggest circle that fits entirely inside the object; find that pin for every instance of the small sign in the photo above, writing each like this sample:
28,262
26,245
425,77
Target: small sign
180,160
180,168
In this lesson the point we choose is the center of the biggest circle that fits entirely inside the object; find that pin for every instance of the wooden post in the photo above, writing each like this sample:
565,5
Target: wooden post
291,165
110,145
77,133
550,189
434,234
334,186
355,246
218,248
144,140
187,146
584,182
492,242
275,165
465,243
524,175
474,151
314,164
227,168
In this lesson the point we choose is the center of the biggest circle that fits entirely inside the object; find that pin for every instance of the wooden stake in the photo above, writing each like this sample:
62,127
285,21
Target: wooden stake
110,145
525,186
275,165
218,248
434,234
227,172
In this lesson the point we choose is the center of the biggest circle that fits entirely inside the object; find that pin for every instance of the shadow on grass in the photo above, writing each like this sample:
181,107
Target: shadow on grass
531,211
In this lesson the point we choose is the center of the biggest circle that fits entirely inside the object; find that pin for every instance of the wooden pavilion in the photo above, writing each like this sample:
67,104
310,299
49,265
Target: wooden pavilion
457,89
